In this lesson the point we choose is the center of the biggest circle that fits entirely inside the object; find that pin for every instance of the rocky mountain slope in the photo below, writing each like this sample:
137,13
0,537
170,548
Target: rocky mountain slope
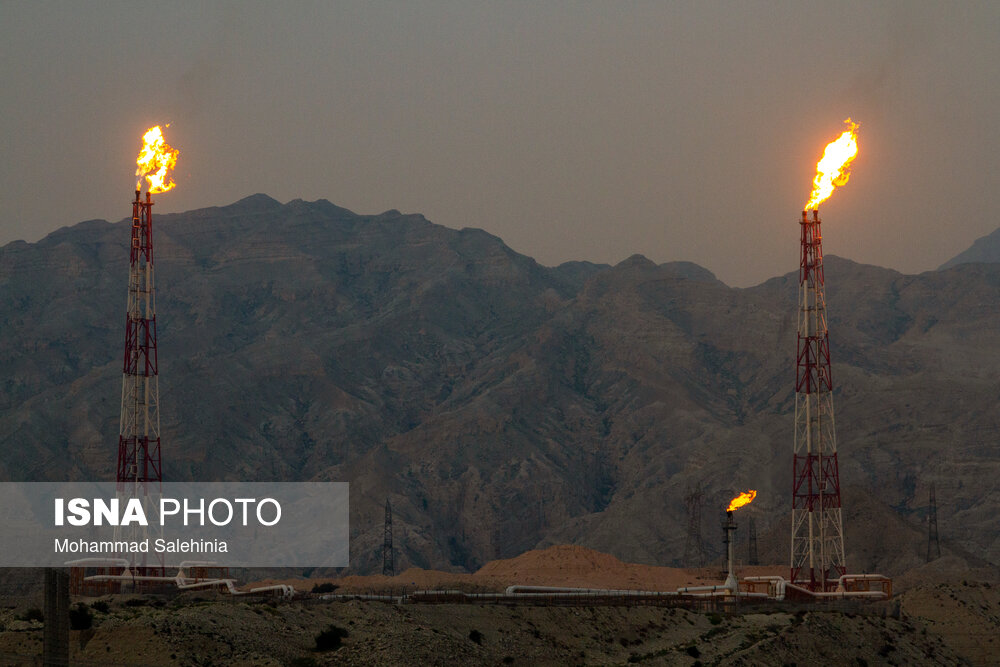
984,250
501,405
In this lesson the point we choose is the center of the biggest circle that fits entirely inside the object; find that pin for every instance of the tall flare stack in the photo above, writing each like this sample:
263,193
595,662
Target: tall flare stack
139,471
817,557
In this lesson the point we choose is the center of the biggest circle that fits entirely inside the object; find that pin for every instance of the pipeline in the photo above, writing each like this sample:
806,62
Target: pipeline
536,590
181,580
781,586
187,583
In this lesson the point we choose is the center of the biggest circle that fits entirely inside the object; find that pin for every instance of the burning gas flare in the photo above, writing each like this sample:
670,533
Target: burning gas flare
739,501
835,167
155,160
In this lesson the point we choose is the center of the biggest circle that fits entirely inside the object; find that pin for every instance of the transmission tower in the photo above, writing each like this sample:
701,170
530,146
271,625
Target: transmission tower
753,558
139,473
388,567
933,544
817,553
694,548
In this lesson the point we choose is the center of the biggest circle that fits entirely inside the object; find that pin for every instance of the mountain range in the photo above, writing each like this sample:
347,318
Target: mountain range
501,405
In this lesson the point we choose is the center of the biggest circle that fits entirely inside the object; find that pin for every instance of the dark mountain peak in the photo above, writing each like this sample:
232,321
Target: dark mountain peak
81,231
984,250
575,274
248,207
332,209
321,209
582,266
640,264
842,271
477,232
631,273
256,202
636,261
865,271
690,271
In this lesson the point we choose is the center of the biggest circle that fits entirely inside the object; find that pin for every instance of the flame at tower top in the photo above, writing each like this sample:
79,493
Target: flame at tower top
739,501
834,168
156,159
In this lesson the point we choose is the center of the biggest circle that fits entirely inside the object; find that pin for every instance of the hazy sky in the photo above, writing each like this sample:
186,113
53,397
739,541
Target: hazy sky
572,130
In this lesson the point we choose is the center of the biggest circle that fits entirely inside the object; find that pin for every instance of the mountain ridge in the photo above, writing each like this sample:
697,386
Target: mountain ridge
985,249
499,404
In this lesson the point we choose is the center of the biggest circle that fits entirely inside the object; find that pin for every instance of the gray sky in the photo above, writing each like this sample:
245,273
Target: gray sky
572,130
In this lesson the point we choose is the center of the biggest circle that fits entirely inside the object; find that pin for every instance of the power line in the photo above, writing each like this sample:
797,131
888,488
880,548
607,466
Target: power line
388,566
694,547
933,543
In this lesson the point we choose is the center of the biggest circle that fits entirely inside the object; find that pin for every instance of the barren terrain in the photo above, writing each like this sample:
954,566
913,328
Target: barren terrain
937,619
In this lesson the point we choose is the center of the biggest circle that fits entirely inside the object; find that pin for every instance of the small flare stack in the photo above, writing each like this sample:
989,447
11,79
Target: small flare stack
745,498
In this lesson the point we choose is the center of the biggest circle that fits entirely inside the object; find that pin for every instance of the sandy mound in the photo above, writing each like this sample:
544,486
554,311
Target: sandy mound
569,565
561,565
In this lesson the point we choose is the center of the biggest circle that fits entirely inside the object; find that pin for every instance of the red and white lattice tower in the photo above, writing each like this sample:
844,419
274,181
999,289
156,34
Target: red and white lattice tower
139,473
817,527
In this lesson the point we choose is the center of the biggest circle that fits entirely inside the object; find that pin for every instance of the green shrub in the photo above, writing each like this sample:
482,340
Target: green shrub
101,606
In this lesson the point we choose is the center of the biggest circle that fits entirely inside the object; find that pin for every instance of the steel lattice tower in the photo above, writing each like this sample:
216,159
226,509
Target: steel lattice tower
139,473
933,543
388,566
694,547
753,556
817,553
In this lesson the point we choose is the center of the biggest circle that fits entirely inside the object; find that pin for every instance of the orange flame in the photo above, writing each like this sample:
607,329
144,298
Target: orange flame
155,160
739,501
835,167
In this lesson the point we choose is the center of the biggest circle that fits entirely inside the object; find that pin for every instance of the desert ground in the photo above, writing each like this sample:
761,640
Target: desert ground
935,618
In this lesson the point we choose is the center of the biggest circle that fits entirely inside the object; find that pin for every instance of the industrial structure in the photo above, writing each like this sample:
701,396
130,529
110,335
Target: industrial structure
817,545
933,542
753,555
734,591
388,565
694,547
139,472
